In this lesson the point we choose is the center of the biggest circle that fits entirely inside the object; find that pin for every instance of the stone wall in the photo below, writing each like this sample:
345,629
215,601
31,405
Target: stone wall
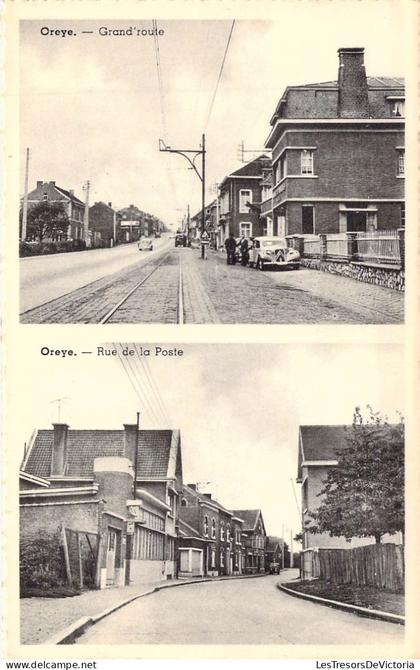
371,274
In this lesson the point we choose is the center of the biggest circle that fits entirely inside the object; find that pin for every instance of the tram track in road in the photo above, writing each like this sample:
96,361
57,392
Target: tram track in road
150,292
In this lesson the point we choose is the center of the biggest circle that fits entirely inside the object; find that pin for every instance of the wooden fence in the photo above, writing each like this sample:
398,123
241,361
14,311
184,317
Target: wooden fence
80,550
377,565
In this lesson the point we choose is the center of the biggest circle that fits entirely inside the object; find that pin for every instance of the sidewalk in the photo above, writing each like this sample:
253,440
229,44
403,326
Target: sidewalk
41,618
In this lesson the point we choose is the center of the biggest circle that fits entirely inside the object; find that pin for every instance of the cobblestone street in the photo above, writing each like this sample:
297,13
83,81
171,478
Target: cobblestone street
176,286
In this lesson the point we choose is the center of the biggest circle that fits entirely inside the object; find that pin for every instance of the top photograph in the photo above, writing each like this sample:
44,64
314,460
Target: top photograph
213,171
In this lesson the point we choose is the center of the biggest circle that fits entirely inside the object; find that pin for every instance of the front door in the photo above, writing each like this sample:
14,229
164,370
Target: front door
110,556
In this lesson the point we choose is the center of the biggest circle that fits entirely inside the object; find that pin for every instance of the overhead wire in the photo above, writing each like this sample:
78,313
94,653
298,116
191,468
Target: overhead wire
156,391
124,362
220,73
162,101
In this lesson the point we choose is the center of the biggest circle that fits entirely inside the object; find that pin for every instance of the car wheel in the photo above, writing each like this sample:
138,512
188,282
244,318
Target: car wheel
260,265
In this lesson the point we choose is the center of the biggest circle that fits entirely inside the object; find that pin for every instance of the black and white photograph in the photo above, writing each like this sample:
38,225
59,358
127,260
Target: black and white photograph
214,171
278,515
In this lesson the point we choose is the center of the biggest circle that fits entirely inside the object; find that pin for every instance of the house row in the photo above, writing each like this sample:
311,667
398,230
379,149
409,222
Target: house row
123,490
107,226
334,161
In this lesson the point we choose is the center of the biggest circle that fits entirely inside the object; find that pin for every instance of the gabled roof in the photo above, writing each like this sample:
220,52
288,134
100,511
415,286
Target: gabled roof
372,82
70,195
272,542
157,453
251,169
250,517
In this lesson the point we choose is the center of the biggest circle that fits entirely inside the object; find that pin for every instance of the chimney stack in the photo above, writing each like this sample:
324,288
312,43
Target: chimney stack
353,100
39,184
59,452
130,442
52,183
71,191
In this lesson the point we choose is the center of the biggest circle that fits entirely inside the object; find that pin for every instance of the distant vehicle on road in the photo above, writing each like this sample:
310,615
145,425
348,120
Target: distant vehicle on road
274,568
180,240
145,244
273,252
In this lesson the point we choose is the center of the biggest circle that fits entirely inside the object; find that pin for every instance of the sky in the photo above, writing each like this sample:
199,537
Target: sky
238,407
91,109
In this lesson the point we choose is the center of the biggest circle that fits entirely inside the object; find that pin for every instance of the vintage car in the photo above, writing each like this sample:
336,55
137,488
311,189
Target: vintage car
180,240
273,252
145,244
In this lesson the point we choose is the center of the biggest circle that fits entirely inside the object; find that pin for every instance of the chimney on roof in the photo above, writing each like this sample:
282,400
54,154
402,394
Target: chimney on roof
71,191
59,450
110,204
192,486
52,183
130,442
353,100
207,495
39,184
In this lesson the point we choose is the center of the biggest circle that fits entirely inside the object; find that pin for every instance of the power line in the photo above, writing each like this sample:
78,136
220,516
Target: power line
220,73
134,383
143,391
157,392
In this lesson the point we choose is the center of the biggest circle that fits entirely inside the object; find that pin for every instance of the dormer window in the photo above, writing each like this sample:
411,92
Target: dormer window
45,196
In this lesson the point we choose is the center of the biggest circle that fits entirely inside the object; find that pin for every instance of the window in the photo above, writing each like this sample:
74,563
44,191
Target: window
222,558
402,214
213,529
307,161
245,196
184,502
308,227
401,163
245,229
280,170
206,526
148,545
398,108
213,558
45,196
222,530
228,532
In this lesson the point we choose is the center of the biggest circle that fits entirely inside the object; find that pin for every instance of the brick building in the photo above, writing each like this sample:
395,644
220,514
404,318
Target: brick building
240,199
49,192
318,451
219,528
83,480
104,225
254,540
338,154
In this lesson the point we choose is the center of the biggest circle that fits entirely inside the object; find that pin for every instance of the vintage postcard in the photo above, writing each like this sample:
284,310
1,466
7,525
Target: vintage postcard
229,469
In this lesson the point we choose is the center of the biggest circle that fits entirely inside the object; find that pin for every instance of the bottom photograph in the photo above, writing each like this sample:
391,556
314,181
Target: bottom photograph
266,481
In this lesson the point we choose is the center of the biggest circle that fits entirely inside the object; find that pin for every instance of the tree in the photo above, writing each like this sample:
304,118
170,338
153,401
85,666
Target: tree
47,219
363,495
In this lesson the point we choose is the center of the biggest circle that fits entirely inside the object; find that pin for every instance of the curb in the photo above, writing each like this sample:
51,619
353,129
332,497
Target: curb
355,609
69,634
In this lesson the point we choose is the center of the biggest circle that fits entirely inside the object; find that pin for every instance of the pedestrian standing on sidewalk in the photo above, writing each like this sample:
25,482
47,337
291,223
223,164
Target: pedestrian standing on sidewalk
230,245
244,247
205,241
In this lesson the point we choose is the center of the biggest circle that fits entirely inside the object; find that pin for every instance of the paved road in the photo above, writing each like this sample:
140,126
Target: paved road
213,292
43,278
245,611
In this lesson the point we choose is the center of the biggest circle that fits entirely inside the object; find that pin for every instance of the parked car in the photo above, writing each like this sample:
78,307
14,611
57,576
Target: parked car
273,252
180,240
274,568
145,244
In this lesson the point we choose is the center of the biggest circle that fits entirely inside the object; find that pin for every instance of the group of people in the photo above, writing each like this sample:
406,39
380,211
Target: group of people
231,246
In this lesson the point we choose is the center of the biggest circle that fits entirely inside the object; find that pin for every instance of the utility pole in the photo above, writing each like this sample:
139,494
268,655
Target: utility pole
291,548
86,214
115,228
136,454
282,543
25,199
201,175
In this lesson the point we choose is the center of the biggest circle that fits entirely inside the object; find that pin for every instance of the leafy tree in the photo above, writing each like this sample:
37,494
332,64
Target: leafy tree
47,219
363,495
